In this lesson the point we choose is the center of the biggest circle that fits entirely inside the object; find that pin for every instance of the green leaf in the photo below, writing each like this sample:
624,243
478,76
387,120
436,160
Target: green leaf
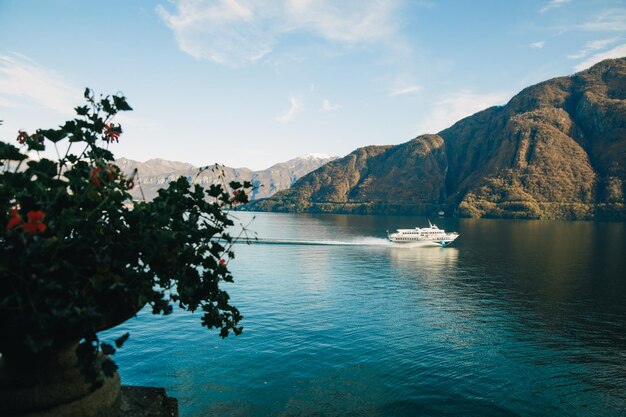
106,106
43,168
98,124
100,153
119,342
10,152
121,104
54,135
82,110
69,126
107,349
35,146
77,137
214,190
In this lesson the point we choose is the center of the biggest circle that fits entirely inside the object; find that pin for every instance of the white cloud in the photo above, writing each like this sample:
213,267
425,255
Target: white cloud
553,4
24,82
237,32
328,106
223,32
600,43
455,106
611,20
538,45
288,115
348,21
617,52
593,46
405,90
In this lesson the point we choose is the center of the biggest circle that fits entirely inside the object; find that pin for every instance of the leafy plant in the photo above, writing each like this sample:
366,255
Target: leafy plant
78,256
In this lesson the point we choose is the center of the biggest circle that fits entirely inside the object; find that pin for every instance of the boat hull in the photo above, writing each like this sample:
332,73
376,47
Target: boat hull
422,243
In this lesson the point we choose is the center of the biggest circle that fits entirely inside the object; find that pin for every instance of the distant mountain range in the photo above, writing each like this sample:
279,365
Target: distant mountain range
555,150
155,174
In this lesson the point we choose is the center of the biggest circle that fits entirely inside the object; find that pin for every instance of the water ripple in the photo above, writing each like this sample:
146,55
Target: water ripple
343,324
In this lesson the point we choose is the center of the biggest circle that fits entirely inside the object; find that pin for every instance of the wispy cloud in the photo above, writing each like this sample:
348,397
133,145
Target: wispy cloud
237,32
606,20
617,52
347,21
553,4
23,82
295,108
538,45
453,107
593,46
223,32
405,90
327,105
610,20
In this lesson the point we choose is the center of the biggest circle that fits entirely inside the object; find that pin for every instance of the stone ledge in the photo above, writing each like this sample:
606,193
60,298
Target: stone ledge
147,402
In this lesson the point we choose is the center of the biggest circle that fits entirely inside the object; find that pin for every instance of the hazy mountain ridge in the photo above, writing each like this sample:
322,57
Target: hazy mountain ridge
152,167
555,150
155,174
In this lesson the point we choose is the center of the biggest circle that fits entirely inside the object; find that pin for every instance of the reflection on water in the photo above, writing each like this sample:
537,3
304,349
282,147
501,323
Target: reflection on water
516,318
424,257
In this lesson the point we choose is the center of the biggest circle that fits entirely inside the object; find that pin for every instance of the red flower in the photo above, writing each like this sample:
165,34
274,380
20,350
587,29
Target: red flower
222,262
14,219
34,224
94,176
110,171
112,133
21,137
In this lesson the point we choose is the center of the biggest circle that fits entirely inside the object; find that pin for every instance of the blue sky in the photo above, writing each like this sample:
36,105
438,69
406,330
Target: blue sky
255,82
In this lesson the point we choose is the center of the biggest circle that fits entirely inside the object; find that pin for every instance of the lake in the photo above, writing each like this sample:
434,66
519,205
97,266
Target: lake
516,318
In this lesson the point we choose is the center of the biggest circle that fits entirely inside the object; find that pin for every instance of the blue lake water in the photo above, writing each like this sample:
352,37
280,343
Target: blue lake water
517,318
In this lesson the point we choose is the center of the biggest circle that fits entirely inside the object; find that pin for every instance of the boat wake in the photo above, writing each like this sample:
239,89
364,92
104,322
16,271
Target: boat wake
365,241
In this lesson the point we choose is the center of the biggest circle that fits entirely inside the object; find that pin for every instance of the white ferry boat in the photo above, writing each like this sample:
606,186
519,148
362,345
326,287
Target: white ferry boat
426,236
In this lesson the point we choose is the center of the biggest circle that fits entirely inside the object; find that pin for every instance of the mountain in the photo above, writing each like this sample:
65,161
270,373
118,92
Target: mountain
555,150
155,174
152,167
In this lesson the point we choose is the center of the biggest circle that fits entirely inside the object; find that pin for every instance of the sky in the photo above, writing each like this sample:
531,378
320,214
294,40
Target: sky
250,83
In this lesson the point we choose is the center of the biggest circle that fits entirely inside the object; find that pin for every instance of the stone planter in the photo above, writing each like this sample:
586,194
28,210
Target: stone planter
49,384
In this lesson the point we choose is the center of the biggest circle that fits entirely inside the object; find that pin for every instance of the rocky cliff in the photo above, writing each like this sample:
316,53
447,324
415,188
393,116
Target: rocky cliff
555,150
